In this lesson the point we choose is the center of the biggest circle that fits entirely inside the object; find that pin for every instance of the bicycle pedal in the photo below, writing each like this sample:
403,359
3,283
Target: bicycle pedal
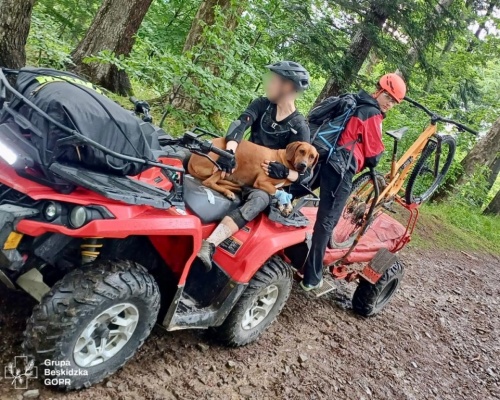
328,286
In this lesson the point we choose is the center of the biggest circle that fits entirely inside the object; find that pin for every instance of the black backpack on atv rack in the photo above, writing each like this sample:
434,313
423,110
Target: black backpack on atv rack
92,142
48,137
94,116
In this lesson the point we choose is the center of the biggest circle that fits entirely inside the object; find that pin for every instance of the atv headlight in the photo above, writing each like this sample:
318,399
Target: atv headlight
79,216
51,211
7,154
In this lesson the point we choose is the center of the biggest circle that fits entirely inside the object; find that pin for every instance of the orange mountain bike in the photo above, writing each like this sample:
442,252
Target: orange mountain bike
426,163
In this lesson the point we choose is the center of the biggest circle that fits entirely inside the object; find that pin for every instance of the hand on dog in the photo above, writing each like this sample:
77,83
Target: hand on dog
226,165
275,170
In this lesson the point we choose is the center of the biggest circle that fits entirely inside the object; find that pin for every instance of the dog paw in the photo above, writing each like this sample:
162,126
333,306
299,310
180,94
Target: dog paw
230,195
287,210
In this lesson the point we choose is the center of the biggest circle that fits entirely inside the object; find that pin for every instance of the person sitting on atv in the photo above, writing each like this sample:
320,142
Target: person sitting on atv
275,123
360,146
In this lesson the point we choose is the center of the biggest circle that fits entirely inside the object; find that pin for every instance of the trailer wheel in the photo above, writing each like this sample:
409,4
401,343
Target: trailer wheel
370,299
258,306
91,322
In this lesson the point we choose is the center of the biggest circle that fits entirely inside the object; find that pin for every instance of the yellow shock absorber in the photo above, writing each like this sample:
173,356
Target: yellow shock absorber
90,249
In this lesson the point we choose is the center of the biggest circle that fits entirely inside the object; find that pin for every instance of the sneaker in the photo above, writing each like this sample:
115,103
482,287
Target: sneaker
206,254
307,288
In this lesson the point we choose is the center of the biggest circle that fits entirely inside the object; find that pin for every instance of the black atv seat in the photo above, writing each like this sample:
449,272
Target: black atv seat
397,133
207,204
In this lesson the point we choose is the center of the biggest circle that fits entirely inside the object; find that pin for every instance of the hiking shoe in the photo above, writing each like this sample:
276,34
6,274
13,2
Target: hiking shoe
206,254
308,288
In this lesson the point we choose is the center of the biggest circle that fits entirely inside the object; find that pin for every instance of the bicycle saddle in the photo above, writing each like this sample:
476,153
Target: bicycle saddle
397,133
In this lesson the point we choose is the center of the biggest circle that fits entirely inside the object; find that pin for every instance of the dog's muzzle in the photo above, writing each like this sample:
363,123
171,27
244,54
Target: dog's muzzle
301,167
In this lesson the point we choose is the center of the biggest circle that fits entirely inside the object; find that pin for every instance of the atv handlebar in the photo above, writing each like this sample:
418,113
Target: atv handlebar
191,141
435,117
141,107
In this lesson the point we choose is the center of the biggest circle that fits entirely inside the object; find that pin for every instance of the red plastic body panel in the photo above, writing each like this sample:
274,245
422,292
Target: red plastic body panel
385,232
177,235
258,240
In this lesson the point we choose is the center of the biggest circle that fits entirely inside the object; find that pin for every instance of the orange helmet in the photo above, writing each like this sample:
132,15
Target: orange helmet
394,85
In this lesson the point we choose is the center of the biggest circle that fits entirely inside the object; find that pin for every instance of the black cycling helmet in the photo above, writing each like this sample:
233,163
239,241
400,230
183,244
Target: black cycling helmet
292,71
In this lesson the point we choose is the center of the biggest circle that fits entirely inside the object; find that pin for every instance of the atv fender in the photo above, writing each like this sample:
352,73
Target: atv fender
242,255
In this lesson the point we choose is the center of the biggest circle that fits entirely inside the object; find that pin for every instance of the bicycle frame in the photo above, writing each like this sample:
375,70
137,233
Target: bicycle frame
402,167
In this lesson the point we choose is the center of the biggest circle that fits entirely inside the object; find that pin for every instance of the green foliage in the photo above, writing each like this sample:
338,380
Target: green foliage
456,74
45,47
457,227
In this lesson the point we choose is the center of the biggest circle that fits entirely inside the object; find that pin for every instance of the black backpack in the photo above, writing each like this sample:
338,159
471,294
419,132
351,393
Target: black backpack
328,120
77,104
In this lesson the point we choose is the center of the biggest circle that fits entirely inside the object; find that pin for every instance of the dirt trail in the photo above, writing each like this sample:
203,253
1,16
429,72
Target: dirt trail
438,339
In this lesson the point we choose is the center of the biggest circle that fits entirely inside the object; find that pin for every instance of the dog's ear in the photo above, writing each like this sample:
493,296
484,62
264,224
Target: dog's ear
316,158
290,151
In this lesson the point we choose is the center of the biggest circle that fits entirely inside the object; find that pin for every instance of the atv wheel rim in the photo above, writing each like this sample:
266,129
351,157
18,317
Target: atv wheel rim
106,335
260,307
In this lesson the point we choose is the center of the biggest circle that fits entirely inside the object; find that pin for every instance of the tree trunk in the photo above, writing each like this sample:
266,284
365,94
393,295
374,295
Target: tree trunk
494,206
15,20
357,52
484,153
495,170
114,28
205,18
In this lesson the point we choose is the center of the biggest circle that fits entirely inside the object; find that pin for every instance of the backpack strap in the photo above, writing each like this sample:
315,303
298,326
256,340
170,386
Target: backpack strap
334,129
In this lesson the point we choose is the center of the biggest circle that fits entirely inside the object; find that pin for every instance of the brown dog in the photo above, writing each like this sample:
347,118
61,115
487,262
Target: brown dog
297,156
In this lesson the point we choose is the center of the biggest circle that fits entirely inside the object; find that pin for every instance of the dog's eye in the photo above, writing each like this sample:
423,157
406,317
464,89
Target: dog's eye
303,152
311,156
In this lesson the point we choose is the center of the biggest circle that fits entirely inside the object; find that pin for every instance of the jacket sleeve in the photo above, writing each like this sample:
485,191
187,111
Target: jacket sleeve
249,116
373,147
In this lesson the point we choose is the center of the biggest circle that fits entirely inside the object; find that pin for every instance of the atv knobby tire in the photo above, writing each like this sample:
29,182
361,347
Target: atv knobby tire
275,273
368,299
64,313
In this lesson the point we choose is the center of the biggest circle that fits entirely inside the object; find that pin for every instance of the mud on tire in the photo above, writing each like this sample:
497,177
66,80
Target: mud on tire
272,283
369,300
66,314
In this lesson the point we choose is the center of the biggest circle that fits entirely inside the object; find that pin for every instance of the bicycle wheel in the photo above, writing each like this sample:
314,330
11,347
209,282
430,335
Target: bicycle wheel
356,207
430,170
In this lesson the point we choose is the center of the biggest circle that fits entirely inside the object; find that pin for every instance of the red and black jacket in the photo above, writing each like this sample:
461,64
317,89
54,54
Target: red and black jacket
363,132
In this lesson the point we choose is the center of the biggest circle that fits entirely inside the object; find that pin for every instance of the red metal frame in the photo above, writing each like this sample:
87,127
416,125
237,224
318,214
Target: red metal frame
348,273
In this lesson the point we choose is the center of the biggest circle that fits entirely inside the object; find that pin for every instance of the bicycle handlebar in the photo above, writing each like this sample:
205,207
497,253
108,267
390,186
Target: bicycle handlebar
437,117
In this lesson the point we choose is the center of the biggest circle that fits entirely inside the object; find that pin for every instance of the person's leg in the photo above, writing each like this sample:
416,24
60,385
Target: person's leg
255,201
334,192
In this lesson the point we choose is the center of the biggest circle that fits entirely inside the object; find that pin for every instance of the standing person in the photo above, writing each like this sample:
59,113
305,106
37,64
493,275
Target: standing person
274,122
363,137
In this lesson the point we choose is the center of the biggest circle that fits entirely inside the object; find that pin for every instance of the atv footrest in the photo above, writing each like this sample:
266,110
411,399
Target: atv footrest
328,286
114,187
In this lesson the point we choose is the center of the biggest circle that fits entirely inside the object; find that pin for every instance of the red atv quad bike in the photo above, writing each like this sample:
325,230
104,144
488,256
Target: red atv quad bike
107,255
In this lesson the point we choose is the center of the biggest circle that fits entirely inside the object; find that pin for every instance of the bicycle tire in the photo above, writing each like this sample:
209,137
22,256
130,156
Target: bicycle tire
420,167
359,183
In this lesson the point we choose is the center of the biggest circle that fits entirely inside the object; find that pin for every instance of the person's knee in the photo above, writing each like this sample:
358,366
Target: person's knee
256,202
259,198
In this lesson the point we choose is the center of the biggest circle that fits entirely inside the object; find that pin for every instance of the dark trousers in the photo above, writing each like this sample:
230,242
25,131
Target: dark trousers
255,201
334,191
